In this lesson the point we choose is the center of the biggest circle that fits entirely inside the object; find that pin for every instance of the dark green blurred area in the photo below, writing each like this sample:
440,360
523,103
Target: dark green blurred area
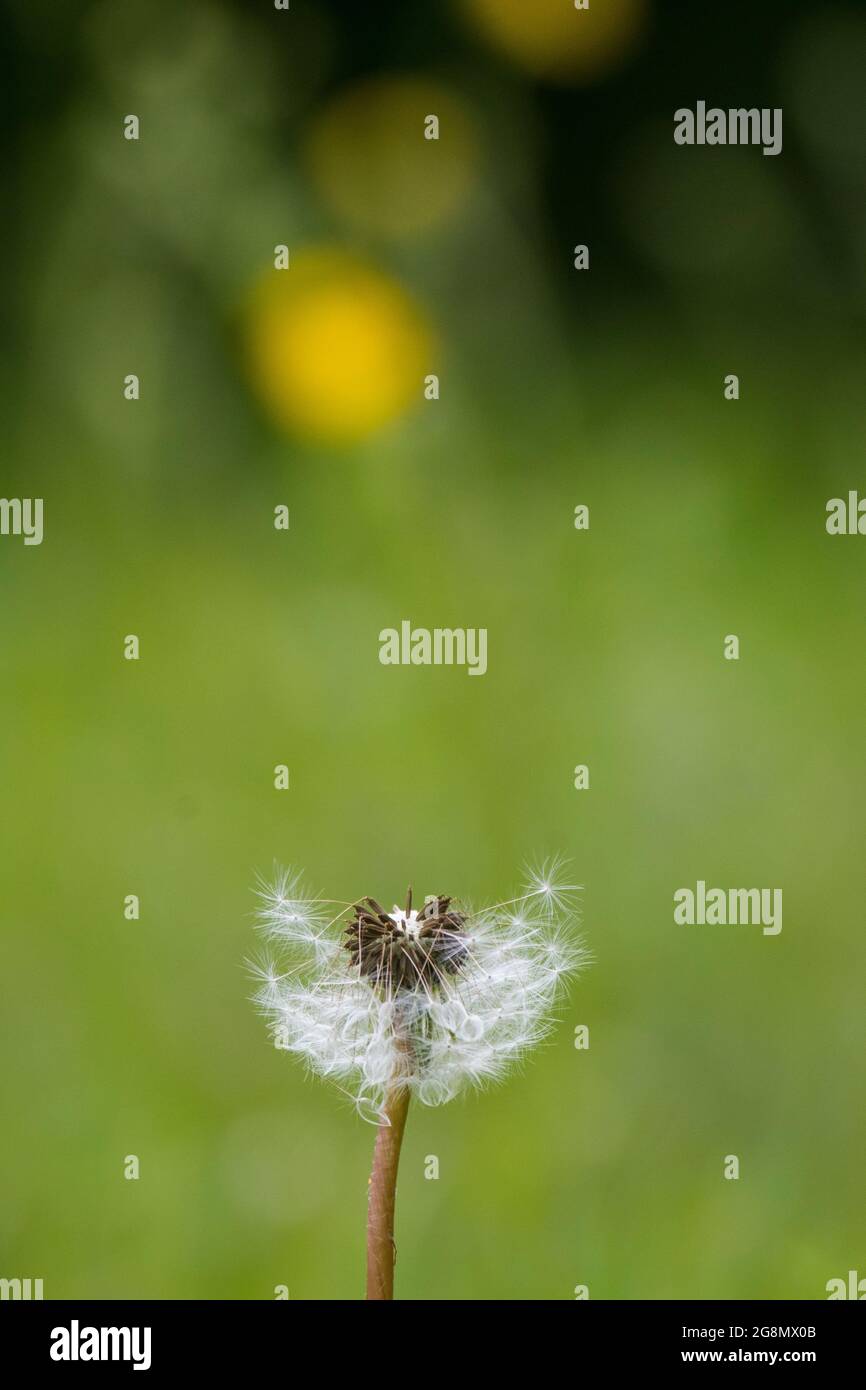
259,647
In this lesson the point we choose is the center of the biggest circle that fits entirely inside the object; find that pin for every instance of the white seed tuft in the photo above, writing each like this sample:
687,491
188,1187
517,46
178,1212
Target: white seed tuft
463,1025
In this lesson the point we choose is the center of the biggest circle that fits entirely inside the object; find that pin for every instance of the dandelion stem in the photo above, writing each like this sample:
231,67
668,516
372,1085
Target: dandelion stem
381,1247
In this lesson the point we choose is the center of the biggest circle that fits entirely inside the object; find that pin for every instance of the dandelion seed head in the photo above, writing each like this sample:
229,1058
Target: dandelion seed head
435,999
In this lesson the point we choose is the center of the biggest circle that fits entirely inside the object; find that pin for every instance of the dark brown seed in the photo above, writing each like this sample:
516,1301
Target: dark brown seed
397,961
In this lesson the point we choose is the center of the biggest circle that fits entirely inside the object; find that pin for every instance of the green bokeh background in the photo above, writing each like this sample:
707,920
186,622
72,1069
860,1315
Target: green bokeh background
601,1167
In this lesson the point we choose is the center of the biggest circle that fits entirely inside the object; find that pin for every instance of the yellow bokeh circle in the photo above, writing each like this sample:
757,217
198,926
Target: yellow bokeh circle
552,39
336,348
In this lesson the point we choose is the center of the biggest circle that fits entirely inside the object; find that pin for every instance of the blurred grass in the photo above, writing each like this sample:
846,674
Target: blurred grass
601,1167
259,647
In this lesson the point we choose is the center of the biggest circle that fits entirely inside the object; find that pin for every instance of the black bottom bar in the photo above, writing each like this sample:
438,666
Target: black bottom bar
277,1338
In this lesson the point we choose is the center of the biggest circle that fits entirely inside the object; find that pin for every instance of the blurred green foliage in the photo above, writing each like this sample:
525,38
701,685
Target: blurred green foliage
601,1167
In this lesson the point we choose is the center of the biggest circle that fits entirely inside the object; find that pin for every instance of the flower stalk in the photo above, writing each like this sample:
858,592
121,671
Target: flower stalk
381,1246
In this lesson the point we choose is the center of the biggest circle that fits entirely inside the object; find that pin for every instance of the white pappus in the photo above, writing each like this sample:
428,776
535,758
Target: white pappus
429,1000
